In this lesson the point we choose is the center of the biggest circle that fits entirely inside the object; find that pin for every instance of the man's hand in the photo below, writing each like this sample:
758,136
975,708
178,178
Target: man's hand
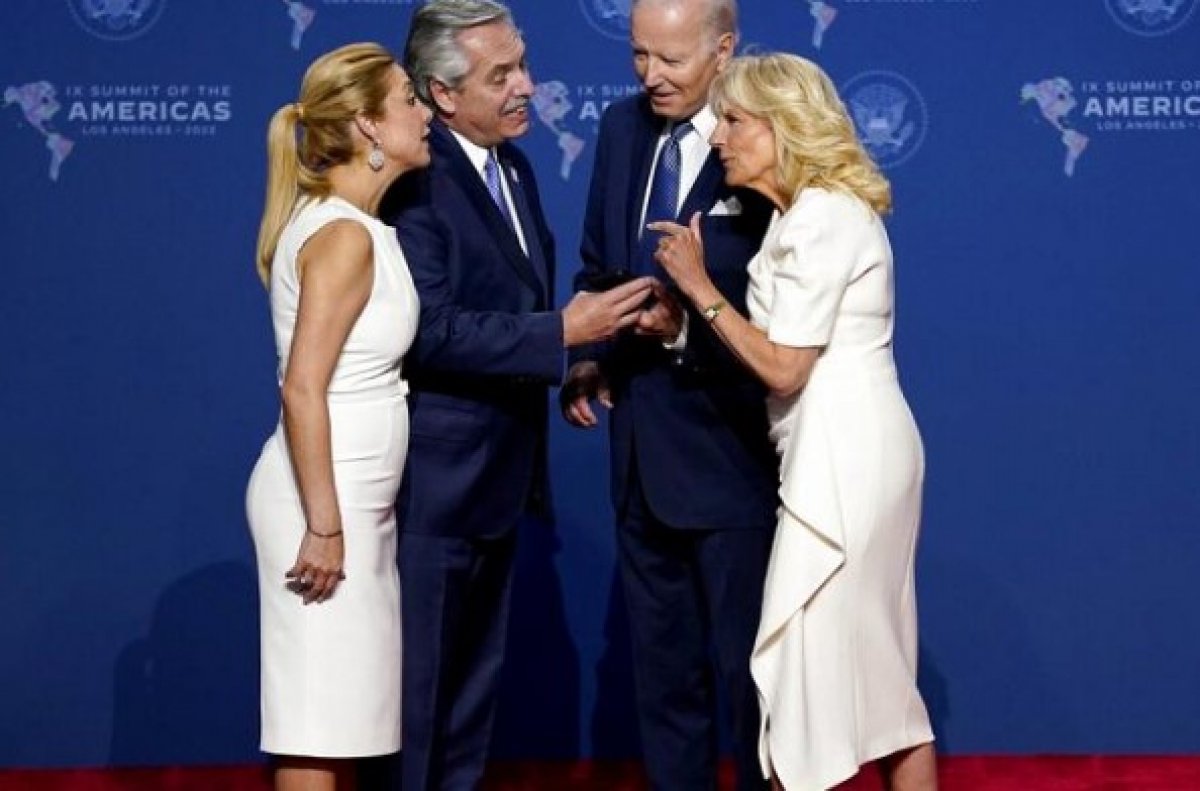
664,317
584,382
591,317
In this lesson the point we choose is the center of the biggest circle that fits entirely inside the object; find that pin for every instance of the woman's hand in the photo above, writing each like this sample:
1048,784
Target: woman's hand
318,568
680,251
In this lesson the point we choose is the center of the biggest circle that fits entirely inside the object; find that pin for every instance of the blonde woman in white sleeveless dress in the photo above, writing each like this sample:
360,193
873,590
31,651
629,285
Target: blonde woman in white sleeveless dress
321,498
836,653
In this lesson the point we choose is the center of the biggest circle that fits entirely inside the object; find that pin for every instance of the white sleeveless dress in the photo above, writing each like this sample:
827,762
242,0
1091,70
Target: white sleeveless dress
331,671
836,654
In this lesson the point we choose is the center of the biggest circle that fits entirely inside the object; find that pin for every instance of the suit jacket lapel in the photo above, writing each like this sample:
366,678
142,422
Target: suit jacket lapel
644,141
463,173
704,190
529,227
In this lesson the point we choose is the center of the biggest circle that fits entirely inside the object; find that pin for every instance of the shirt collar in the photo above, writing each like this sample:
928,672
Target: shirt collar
477,154
705,123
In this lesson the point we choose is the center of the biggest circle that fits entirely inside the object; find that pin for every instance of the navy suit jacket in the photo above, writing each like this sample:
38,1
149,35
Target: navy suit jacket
693,422
488,345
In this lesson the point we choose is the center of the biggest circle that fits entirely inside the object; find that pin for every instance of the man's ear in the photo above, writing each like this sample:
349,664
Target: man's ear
443,98
725,44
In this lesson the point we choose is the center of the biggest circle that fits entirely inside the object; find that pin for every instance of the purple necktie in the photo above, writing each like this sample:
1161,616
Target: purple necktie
491,176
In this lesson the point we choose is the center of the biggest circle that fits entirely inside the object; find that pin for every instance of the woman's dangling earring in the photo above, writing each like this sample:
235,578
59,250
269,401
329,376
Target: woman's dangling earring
375,158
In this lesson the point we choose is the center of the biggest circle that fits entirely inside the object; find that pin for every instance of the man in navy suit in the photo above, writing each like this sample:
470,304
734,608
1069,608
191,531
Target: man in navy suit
489,345
694,478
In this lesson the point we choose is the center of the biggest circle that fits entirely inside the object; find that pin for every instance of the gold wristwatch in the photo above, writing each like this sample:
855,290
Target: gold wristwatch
712,311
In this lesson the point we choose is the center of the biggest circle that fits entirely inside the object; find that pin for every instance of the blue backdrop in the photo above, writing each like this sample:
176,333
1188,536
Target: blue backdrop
1044,158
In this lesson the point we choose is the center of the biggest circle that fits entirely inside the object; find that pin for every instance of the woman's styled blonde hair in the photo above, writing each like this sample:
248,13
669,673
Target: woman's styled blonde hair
815,142
308,137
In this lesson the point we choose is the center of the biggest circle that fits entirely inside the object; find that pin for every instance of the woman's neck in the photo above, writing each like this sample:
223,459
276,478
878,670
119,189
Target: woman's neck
357,185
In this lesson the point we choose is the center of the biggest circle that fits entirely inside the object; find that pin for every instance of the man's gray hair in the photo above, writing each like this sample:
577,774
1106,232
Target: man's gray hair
720,16
432,51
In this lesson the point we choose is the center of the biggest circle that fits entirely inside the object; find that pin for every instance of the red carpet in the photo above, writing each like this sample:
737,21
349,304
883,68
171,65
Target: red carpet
1039,773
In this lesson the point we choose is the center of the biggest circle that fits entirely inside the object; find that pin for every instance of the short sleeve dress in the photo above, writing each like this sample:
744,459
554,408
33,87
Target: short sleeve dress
836,653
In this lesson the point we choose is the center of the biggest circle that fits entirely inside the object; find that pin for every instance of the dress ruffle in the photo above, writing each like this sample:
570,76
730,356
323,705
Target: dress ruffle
808,551
809,492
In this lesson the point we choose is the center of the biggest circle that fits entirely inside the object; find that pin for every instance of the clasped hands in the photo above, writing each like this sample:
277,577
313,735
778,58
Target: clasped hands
661,316
318,568
644,305
680,251
598,316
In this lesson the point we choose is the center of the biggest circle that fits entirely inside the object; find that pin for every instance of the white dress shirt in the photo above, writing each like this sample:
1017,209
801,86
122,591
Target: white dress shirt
478,156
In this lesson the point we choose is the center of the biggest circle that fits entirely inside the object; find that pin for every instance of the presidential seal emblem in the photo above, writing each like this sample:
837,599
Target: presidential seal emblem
608,17
889,115
116,20
1151,17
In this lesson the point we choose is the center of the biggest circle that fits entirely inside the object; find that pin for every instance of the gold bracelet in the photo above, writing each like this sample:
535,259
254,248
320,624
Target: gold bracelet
712,311
334,534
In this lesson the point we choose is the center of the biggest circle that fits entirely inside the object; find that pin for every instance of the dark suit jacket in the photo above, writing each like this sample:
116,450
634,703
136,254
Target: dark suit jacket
488,345
696,421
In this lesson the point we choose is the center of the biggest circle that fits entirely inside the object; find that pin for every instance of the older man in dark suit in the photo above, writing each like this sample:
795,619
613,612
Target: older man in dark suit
693,477
488,346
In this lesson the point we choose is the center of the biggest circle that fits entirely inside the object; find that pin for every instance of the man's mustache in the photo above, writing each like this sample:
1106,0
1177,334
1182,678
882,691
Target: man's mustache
515,104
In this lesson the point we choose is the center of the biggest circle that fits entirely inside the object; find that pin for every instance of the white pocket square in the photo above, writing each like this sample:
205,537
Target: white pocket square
726,208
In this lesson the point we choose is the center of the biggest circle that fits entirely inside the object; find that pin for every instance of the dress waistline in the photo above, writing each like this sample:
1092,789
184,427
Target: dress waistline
875,368
392,390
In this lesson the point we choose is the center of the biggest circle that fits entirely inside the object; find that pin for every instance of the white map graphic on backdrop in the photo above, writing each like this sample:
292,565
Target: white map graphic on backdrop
552,103
1056,99
302,18
302,15
39,104
823,15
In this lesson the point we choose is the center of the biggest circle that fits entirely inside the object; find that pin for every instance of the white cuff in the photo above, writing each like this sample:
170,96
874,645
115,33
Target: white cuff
680,342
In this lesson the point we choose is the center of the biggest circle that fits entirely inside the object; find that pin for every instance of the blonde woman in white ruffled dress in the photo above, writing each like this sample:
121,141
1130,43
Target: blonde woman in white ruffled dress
836,654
